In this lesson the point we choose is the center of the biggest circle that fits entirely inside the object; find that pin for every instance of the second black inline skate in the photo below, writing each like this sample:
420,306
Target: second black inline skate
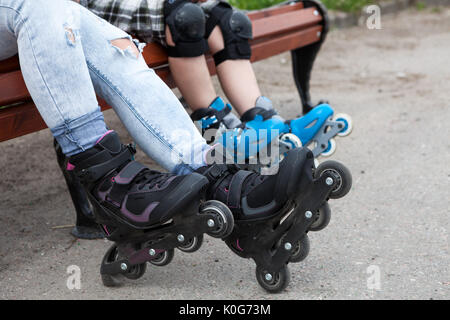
273,214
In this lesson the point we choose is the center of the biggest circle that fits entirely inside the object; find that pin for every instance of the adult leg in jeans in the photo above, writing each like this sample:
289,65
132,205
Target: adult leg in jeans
61,88
53,70
54,67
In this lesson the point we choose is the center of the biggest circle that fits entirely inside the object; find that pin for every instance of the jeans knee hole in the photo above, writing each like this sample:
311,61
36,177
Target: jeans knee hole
70,34
125,45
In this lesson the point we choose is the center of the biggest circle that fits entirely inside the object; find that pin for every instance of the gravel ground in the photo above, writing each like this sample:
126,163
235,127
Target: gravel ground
394,224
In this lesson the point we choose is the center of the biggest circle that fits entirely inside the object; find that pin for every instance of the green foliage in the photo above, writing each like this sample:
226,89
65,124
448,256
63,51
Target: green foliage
253,4
343,5
420,5
347,5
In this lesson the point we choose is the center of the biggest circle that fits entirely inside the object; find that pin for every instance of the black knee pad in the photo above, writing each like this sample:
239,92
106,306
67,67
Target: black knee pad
236,29
186,22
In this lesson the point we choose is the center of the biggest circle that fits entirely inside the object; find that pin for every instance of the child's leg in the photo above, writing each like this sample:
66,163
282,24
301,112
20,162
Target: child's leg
54,68
229,32
236,76
192,77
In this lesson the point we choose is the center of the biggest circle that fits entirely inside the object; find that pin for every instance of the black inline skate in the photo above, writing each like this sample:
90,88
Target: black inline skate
146,213
273,214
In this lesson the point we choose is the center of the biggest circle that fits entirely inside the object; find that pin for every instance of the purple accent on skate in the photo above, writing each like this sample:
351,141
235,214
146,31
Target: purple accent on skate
143,255
238,246
107,132
143,217
106,230
129,172
70,166
165,184
101,195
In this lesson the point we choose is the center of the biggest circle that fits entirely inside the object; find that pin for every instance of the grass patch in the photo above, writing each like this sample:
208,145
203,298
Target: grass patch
253,4
420,6
341,5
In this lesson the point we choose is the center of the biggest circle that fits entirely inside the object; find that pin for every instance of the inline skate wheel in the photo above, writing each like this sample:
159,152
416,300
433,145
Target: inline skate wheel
323,218
340,173
273,282
330,149
110,280
135,272
110,256
222,224
192,245
348,124
300,250
292,140
163,258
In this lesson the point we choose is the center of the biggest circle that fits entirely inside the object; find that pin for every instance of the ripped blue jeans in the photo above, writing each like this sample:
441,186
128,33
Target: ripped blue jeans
67,55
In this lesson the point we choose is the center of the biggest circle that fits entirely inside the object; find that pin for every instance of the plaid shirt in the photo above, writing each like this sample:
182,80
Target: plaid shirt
142,18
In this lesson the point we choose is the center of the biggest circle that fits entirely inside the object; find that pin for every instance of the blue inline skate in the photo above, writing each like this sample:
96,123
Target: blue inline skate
317,130
261,126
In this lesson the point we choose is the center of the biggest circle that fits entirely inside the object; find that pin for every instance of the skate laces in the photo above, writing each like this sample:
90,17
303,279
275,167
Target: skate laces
151,178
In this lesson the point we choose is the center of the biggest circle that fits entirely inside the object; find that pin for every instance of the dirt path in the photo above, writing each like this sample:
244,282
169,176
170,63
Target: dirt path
395,84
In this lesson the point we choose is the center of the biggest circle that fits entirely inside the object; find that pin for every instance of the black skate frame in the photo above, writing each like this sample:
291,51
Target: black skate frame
263,241
134,244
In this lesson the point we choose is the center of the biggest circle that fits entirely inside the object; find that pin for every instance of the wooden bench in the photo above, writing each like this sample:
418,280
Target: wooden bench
296,26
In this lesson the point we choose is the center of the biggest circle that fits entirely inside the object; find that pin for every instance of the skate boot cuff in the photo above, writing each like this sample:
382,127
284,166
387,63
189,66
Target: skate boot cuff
253,112
210,113
216,171
226,183
213,115
95,172
218,112
107,155
263,107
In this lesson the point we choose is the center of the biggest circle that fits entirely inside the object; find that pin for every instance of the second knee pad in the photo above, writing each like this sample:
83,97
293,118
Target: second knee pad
186,22
236,29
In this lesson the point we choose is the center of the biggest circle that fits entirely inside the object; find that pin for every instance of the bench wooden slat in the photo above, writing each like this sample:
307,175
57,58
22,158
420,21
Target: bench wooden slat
155,55
13,88
20,120
285,43
274,25
9,64
266,23
264,13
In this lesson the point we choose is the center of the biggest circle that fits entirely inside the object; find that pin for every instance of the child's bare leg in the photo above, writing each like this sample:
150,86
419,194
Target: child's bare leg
192,78
237,77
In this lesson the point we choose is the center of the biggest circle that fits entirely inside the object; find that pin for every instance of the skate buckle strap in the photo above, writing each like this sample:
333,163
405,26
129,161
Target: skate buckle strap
211,112
122,180
235,189
95,172
253,112
215,172
223,113
128,173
